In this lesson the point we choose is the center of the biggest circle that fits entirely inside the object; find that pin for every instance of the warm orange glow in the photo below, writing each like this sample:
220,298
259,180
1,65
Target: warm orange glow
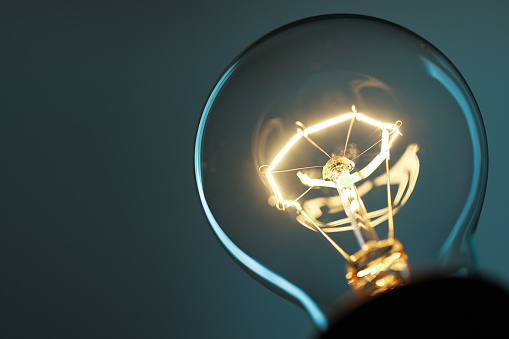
387,139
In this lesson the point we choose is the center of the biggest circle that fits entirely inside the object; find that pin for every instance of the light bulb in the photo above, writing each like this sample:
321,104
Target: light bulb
347,129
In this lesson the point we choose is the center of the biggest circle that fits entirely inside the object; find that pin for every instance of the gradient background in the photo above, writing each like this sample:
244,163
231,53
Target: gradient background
102,232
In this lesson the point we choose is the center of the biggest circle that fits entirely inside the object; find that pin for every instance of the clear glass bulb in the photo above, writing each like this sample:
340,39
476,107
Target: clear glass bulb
347,129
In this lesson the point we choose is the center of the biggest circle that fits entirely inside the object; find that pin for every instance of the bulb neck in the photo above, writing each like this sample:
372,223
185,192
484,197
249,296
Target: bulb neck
378,267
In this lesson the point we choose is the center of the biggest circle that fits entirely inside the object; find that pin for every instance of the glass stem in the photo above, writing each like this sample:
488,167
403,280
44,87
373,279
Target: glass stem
357,213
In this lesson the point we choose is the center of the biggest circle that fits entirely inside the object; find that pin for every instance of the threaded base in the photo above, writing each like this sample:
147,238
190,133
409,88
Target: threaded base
378,267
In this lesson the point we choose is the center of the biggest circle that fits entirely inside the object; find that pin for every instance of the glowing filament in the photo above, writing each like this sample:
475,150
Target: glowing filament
389,133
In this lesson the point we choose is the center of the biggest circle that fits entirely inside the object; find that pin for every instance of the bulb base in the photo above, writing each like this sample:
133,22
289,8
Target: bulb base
378,267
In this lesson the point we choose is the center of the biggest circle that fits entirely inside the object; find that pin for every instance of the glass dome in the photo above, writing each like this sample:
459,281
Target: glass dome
375,104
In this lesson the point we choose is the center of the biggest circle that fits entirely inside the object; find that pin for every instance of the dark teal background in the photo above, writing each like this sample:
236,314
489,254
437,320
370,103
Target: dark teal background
102,231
